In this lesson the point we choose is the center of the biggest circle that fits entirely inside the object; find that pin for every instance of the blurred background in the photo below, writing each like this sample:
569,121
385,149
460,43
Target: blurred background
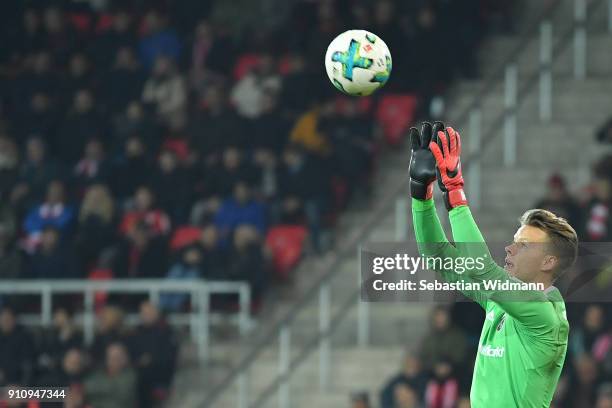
183,194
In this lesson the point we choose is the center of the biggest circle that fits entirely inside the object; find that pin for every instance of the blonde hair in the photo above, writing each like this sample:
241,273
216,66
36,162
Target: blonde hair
563,237
98,201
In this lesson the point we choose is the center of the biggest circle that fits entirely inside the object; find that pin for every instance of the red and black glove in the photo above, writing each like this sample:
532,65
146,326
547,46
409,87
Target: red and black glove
446,149
422,162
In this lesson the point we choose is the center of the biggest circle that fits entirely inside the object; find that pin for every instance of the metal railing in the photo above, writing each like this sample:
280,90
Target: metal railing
198,319
507,119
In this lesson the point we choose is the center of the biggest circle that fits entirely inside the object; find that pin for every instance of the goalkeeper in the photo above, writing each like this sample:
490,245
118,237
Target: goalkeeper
523,341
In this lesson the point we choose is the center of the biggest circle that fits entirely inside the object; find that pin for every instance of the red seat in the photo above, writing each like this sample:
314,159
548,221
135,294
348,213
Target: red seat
244,65
184,236
286,243
395,114
180,147
80,21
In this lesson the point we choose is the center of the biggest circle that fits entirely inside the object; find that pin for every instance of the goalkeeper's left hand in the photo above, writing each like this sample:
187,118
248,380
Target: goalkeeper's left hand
446,149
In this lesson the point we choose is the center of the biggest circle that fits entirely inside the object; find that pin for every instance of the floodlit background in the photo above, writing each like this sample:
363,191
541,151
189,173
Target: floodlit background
183,193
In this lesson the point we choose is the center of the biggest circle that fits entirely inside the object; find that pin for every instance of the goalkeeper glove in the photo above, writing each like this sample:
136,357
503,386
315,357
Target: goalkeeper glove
446,149
422,163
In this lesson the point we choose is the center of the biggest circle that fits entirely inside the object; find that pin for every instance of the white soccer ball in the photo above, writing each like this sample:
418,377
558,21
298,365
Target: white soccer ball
358,62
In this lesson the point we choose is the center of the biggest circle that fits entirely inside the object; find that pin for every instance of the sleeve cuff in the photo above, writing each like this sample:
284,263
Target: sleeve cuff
422,205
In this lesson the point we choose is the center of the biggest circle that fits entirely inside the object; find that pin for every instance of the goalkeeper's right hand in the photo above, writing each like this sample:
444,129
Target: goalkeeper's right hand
422,162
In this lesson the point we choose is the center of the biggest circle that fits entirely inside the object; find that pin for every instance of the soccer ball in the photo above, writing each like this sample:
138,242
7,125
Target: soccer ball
358,62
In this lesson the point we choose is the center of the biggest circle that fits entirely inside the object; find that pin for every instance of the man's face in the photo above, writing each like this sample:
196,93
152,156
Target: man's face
527,256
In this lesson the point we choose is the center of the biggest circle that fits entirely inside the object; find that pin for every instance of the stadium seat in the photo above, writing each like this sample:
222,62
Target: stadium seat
184,236
245,63
80,21
395,113
286,243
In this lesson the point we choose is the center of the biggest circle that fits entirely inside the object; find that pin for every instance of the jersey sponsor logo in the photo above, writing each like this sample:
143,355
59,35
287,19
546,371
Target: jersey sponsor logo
490,351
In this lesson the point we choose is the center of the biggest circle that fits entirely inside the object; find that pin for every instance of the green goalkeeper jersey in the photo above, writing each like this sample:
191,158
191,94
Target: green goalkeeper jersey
523,343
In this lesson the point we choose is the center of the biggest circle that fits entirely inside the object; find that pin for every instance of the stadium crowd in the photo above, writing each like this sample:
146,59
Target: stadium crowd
123,367
123,122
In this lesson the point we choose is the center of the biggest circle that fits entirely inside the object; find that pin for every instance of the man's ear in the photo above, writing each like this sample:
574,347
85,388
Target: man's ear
549,263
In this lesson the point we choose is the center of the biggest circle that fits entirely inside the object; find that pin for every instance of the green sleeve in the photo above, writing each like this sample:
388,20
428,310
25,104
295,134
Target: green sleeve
531,308
432,242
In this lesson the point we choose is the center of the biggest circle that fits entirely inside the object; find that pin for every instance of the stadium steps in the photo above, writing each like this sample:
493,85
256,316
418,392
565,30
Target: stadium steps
494,53
343,381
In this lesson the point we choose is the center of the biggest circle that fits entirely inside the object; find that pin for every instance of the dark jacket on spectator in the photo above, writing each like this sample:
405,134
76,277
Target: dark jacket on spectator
16,356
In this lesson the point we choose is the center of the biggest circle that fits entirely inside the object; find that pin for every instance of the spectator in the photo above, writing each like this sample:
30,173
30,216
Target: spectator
11,258
58,341
604,396
172,185
144,210
158,40
36,172
127,79
303,191
211,54
154,354
405,397
9,165
234,168
92,167
119,35
299,90
216,126
411,375
142,254
249,93
584,383
189,266
559,201
60,38
36,77
81,124
54,211
114,385
240,209
31,38
55,259
132,171
442,390
40,118
270,130
583,337
69,373
214,258
110,330
599,222
442,341
350,135
96,224
16,350
247,261
134,122
306,134
79,76
165,91
75,398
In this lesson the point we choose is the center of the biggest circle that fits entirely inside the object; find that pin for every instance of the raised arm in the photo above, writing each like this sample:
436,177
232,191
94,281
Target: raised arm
530,308
428,230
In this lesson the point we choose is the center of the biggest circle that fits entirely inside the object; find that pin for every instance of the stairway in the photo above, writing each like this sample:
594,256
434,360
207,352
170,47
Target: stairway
579,108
